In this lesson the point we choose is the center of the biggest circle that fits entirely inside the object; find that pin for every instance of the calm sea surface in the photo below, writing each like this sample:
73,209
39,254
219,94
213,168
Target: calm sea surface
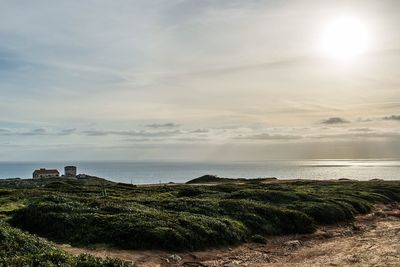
154,172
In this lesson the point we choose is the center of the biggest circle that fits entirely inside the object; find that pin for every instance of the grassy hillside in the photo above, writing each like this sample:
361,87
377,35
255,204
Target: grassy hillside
183,217
22,249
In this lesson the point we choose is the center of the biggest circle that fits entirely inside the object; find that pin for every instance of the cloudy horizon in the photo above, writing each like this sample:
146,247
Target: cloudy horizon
195,80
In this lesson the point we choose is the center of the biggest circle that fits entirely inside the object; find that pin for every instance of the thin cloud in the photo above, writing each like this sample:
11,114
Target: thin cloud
392,118
163,125
142,140
360,130
266,136
132,133
67,131
36,132
292,61
365,119
334,120
352,136
190,139
39,131
200,131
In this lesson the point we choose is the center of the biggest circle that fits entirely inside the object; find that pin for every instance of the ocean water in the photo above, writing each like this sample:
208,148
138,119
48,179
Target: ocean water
155,172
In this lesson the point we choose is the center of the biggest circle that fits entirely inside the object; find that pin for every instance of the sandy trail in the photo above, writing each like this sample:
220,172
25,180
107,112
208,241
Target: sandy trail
371,240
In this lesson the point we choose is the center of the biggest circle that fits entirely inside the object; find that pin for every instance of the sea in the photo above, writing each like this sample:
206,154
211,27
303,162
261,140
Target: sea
179,172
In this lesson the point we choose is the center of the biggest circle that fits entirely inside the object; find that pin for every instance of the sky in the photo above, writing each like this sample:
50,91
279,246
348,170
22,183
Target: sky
196,80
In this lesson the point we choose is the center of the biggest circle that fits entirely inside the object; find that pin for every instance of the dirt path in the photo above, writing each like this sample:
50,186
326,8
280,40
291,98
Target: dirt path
372,240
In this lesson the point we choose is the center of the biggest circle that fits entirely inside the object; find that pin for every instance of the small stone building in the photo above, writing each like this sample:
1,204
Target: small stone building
70,171
44,173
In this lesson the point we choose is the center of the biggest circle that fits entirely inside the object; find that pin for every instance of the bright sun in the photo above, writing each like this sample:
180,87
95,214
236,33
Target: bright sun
344,38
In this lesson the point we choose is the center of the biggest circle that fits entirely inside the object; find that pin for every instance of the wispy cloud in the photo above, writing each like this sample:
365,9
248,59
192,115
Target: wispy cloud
131,133
192,139
361,135
361,130
266,136
67,131
392,118
163,125
36,132
276,64
200,131
334,120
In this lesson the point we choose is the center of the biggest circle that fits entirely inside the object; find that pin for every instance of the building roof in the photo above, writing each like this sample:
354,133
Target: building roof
45,171
70,167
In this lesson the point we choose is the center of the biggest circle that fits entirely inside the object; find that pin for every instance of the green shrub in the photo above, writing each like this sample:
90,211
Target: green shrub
181,217
266,219
19,249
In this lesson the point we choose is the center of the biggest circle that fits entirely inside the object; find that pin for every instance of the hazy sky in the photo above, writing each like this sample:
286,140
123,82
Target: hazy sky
195,80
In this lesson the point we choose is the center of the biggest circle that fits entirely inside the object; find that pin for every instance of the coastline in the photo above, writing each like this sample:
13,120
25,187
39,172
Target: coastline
180,172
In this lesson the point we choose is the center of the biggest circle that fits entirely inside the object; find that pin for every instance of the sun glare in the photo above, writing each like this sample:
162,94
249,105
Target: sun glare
344,39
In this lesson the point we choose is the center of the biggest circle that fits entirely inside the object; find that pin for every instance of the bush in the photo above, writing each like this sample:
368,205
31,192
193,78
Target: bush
140,228
184,217
266,219
21,249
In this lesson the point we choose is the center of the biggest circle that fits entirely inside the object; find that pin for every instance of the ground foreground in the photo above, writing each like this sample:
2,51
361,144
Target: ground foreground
253,217
371,240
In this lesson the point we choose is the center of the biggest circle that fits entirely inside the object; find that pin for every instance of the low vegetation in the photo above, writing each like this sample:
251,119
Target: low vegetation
22,249
181,217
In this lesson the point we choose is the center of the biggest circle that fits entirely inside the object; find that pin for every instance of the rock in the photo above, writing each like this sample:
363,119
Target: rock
347,232
358,228
266,257
320,234
174,258
233,263
380,214
294,243
394,214
193,264
353,259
